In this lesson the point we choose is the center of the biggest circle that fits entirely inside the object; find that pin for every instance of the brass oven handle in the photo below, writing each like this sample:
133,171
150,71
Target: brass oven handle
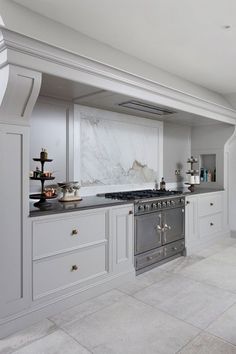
74,232
74,267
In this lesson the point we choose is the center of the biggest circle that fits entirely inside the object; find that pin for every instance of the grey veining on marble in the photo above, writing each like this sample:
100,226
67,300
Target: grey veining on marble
104,146
207,344
132,327
20,339
225,326
55,343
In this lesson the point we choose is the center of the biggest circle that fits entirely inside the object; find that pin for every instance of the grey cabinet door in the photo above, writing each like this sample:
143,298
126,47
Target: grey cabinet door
173,225
147,232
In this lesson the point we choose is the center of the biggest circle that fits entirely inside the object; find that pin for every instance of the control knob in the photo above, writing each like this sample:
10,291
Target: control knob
141,207
173,202
168,203
146,206
154,205
159,205
182,200
163,204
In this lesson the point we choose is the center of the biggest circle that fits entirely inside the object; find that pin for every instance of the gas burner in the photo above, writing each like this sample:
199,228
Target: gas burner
141,194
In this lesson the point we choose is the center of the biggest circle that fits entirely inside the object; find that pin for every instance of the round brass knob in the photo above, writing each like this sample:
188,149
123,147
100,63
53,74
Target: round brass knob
211,224
130,212
74,267
211,204
74,232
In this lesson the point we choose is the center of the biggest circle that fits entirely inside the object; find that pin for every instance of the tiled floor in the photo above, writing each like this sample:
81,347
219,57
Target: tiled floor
186,306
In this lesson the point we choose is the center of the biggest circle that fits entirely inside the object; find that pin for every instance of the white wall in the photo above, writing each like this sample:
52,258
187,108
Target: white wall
176,151
22,20
49,128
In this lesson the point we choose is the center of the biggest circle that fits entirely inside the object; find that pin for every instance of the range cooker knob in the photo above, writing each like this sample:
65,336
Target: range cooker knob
154,205
159,205
163,204
147,207
172,202
141,208
182,200
168,203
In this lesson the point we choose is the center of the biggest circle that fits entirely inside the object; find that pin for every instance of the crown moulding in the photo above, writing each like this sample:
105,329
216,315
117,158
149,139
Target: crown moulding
37,57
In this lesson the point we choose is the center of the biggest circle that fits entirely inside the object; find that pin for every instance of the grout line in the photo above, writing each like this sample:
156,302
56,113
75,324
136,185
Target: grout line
220,338
76,340
191,340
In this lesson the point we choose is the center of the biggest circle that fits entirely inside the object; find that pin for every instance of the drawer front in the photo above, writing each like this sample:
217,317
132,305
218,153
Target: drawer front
58,235
210,204
210,224
174,248
60,272
148,258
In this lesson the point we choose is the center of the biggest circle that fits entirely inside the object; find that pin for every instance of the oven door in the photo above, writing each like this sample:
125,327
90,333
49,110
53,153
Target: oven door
148,230
172,225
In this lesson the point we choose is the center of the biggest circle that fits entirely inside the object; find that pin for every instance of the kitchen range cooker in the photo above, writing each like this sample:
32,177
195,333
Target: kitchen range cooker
159,233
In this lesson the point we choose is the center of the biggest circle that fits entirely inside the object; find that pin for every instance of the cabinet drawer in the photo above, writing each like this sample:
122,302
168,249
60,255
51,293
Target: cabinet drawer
148,258
210,224
174,248
53,236
62,271
210,204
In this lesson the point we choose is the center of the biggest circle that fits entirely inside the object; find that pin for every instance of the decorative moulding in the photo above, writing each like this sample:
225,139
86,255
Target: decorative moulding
19,91
24,51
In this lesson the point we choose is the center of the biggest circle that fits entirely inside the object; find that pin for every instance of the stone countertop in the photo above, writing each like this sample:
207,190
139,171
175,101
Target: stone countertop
199,190
92,202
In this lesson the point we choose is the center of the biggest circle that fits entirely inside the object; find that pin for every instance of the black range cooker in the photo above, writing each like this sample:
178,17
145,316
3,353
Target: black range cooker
159,226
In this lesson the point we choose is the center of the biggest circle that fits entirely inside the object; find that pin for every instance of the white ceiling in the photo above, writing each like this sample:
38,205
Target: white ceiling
184,37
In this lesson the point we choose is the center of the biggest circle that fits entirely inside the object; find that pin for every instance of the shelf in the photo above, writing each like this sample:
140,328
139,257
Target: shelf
42,178
41,196
42,160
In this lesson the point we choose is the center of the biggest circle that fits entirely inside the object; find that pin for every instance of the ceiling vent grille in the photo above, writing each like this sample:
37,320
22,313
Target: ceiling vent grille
145,107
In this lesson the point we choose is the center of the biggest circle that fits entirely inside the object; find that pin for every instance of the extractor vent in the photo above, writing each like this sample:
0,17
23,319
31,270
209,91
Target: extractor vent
145,107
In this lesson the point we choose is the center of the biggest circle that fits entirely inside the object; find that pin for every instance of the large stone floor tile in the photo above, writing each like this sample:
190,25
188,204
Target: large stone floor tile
213,272
55,343
208,344
84,309
131,327
26,336
228,255
196,303
142,281
180,263
225,326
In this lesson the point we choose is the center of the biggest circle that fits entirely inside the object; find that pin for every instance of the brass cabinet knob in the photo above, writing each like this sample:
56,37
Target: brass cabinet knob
188,202
211,224
149,258
211,204
130,212
74,232
74,267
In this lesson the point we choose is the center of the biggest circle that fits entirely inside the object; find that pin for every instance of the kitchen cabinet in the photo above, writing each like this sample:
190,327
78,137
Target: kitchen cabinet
75,256
122,222
204,220
14,256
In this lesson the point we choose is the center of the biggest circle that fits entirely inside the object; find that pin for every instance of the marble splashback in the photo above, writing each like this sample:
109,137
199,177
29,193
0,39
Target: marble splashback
117,149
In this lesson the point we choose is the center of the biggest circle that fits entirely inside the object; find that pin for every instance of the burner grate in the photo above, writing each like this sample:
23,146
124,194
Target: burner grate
141,194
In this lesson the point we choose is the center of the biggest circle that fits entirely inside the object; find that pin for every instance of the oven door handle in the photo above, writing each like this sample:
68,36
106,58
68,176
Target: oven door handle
166,227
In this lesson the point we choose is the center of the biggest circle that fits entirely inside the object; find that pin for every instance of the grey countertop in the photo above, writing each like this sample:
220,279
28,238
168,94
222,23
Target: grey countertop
93,202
